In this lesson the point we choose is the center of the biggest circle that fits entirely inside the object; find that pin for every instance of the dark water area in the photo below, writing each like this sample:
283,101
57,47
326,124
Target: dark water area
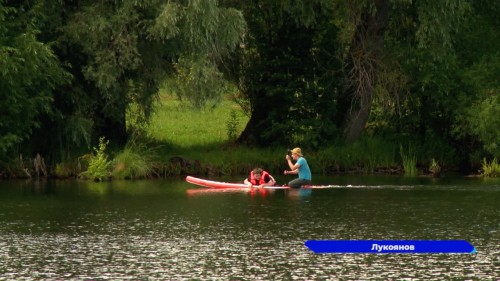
155,230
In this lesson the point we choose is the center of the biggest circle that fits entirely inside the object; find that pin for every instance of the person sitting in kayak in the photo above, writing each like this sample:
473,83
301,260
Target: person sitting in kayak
300,167
259,178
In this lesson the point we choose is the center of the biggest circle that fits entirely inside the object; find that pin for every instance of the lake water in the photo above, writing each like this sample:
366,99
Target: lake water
155,230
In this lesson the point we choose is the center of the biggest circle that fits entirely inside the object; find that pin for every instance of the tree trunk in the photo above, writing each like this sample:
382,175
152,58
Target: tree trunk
364,55
252,134
249,134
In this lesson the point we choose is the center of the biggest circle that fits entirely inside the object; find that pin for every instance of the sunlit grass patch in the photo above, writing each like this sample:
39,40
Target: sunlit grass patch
137,160
183,126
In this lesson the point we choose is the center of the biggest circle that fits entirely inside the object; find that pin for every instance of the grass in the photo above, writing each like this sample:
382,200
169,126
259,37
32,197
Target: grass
367,155
200,140
182,126
409,161
137,160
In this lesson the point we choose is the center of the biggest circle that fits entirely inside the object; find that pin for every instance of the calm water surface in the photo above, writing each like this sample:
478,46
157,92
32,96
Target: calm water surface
155,230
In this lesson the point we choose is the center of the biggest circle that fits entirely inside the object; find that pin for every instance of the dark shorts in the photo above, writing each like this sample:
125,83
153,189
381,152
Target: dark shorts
298,183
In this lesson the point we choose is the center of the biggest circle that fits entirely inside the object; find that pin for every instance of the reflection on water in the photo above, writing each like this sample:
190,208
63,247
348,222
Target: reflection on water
155,230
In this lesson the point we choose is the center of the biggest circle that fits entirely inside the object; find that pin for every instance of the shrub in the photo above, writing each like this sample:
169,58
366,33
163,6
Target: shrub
491,169
99,164
409,161
135,161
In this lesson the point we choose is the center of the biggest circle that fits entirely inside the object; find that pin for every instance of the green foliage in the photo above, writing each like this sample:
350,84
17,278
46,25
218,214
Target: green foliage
447,50
99,165
232,126
199,81
434,168
476,122
61,171
409,159
184,127
287,72
485,123
166,25
479,113
136,161
438,84
29,73
438,21
209,34
114,62
366,155
120,52
434,146
491,169
211,29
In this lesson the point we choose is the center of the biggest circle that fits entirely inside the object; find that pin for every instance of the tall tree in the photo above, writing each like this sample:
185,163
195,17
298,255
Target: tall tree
281,57
384,32
29,75
362,65
120,52
476,119
286,73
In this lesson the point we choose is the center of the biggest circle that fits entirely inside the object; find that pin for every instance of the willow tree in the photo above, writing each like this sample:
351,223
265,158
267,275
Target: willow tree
130,47
286,72
476,123
362,64
290,73
120,52
377,66
29,74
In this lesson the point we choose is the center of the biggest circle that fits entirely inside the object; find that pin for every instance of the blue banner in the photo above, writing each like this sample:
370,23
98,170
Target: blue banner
390,246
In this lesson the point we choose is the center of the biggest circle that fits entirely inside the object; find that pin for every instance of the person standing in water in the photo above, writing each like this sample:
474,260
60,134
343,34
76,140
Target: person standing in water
300,167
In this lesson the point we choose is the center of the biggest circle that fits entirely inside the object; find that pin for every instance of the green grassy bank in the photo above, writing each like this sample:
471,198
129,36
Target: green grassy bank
181,140
191,141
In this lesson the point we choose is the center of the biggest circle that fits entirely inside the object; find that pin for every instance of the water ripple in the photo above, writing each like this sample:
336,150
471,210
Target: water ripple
124,257
239,237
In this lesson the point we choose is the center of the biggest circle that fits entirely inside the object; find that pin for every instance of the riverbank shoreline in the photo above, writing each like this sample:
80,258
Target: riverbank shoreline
178,166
